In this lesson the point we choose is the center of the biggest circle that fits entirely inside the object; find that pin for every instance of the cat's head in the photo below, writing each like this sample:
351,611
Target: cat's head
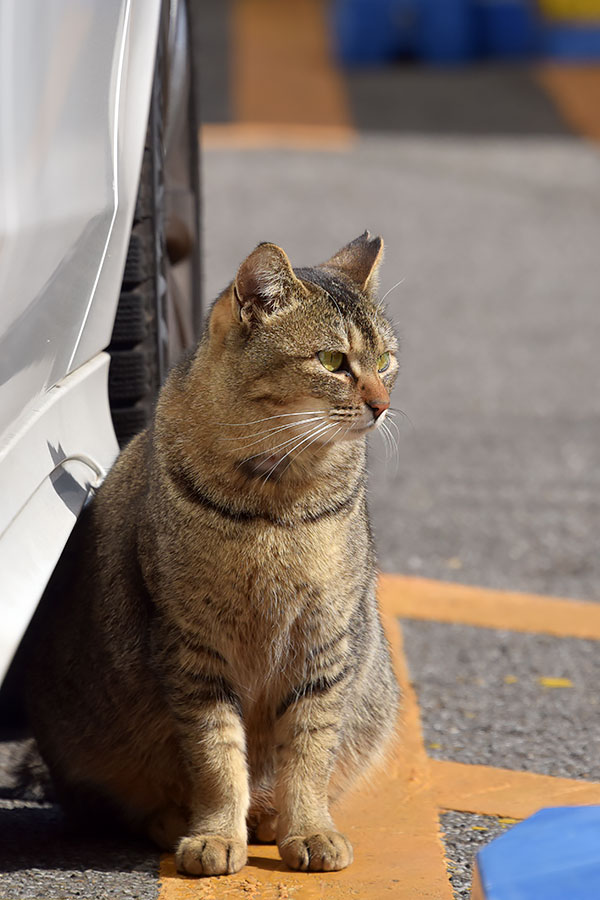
303,357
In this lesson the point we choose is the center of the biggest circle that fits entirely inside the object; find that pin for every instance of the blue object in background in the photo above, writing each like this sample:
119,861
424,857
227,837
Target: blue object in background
445,31
373,31
554,855
506,29
575,42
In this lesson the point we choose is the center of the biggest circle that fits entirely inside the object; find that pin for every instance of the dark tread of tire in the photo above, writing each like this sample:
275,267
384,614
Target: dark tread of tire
144,205
140,256
136,364
132,323
130,376
130,420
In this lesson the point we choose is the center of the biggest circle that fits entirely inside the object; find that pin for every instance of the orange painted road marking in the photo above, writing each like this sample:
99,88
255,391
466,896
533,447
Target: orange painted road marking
391,820
438,601
504,792
252,136
575,89
282,67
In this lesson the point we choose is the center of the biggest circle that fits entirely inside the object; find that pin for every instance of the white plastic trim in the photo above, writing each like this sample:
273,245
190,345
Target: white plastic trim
47,470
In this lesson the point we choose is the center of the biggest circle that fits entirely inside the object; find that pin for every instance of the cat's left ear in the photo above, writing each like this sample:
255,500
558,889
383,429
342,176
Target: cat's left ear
360,260
265,283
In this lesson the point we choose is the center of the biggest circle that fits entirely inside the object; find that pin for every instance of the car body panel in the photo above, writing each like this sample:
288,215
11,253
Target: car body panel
75,86
75,83
129,134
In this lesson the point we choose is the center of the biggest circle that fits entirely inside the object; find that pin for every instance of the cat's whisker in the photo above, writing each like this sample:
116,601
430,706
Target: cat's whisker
305,433
311,434
329,439
333,436
385,438
394,409
278,416
386,431
312,437
271,450
390,419
395,453
386,442
275,430
390,439
394,425
393,288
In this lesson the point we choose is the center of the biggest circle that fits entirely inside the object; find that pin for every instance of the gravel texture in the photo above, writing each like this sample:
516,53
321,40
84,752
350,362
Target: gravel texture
482,701
464,834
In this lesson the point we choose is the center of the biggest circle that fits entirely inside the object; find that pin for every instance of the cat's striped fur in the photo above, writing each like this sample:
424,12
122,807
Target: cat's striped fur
211,654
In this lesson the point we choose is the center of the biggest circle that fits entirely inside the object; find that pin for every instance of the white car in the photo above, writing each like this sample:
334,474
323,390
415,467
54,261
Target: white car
99,268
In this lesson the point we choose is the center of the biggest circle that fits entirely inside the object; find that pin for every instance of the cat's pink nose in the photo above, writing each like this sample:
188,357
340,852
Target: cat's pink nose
378,406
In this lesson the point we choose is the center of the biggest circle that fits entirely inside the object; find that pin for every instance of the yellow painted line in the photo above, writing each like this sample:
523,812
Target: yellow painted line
282,70
575,90
504,792
553,682
252,136
438,601
391,819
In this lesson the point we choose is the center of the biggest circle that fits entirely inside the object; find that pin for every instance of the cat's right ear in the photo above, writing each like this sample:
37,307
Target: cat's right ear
265,284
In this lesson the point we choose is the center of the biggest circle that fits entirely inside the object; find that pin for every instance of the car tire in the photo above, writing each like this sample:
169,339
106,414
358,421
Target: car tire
159,311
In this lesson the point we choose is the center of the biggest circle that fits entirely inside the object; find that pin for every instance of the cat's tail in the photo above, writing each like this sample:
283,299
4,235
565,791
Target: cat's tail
29,774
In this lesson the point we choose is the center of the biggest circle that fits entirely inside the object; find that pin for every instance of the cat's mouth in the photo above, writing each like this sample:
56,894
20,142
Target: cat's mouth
271,465
362,428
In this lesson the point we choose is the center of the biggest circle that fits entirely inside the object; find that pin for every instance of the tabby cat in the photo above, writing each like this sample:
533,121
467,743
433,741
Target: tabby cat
211,659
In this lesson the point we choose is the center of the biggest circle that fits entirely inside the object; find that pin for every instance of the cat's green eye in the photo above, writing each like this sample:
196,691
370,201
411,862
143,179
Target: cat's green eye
331,359
383,362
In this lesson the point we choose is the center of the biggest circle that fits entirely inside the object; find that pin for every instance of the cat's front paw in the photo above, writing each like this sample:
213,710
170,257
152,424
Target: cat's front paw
210,854
325,851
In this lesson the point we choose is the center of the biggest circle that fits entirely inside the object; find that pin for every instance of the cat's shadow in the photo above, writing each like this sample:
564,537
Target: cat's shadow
265,862
35,837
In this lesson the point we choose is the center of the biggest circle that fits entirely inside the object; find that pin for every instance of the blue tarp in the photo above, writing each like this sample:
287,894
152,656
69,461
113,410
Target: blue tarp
553,855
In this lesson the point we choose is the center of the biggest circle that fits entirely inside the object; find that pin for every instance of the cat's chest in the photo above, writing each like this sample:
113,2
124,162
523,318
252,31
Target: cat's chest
259,602
271,589
257,593
257,564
